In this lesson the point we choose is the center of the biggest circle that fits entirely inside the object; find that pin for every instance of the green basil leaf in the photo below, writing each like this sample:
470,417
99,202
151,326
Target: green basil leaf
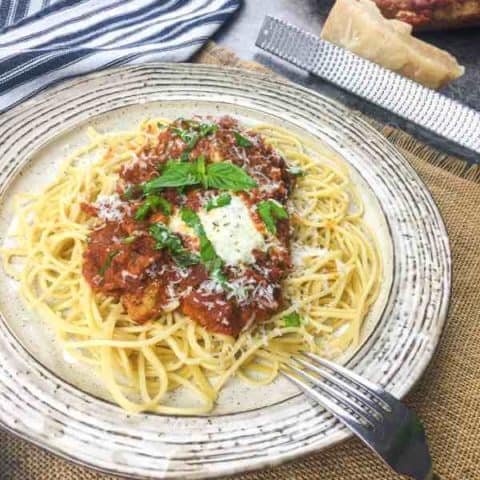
265,212
242,141
108,262
190,138
221,175
186,258
227,176
173,243
192,220
185,156
142,212
193,141
175,174
165,238
292,320
183,134
160,202
278,210
201,171
207,252
153,202
166,206
215,264
221,201
269,210
208,255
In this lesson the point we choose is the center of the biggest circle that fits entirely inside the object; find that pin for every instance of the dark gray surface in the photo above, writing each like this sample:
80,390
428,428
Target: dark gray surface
240,34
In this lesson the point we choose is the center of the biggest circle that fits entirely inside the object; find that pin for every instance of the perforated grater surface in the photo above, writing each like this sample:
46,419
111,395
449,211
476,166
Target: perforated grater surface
427,108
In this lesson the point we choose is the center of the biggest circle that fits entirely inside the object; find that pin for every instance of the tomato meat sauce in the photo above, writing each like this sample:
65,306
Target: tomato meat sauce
136,255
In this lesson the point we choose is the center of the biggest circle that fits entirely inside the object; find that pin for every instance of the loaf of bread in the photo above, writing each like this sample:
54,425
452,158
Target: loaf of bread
432,14
358,26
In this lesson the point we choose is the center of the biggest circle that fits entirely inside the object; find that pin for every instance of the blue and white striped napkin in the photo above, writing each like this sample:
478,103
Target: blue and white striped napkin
45,41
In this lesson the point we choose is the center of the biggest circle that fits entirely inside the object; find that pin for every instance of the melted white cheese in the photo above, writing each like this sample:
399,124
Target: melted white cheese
232,232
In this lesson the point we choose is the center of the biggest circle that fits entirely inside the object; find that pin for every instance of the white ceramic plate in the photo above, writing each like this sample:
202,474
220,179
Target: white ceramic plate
63,408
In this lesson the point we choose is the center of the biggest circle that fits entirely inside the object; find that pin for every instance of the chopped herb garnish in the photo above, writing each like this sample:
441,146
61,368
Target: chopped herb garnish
207,128
165,238
165,206
161,125
191,144
297,171
191,219
129,239
186,258
292,320
153,202
208,256
189,138
143,211
221,201
185,135
221,175
192,137
108,262
204,129
270,211
242,141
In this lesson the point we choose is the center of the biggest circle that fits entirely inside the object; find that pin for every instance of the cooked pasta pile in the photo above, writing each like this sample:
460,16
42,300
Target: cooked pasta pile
334,280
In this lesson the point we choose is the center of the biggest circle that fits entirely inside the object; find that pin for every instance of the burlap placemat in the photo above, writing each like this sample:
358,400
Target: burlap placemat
448,396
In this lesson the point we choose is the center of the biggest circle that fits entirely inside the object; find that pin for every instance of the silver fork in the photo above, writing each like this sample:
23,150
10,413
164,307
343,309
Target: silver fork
388,427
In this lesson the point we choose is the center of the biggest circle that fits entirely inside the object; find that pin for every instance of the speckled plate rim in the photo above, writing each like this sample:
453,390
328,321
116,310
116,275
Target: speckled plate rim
203,77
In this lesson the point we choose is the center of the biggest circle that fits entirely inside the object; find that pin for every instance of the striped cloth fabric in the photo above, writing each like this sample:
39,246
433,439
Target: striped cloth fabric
45,41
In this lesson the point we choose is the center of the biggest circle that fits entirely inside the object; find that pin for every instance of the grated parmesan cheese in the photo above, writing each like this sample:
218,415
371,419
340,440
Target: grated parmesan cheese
302,252
109,207
341,267
269,187
240,288
126,274
211,286
264,293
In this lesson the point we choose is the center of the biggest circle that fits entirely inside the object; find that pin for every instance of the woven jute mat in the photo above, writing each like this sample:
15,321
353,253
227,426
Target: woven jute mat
448,396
